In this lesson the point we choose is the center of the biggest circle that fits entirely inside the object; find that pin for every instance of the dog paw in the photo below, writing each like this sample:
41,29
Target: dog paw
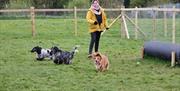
89,56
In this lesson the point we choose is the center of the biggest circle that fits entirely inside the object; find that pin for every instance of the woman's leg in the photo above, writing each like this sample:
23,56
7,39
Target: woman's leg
92,42
98,35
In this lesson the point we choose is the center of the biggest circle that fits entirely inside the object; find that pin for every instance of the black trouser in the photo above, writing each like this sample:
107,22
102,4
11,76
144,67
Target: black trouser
95,37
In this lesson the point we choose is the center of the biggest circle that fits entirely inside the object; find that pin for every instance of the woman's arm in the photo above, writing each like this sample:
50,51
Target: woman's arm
88,17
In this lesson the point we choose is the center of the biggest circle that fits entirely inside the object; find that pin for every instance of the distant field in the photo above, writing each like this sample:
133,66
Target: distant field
19,71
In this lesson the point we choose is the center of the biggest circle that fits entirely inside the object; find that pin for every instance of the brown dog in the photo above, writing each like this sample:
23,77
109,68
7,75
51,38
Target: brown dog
101,61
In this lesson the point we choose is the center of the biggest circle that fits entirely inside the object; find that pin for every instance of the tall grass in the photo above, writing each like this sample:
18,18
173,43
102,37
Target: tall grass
19,71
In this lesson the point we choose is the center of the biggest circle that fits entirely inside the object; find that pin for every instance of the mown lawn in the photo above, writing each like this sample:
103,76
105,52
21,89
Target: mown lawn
19,71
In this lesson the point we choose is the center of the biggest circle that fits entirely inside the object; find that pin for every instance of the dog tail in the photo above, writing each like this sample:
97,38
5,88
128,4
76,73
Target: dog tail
75,49
72,53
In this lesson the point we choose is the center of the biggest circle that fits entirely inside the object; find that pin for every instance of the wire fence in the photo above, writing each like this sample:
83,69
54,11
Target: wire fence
156,23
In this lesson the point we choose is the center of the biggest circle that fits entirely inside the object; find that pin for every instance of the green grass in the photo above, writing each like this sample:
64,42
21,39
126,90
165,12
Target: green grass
19,71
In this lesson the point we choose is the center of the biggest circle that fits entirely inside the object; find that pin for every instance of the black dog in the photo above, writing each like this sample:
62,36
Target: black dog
41,53
60,56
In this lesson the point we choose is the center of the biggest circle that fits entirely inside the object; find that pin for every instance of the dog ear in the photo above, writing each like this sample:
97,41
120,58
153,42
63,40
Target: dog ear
38,50
98,54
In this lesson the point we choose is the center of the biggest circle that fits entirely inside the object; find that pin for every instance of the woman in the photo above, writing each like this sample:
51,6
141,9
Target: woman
97,23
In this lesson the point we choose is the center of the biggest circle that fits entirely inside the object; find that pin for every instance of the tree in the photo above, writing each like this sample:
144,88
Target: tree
111,3
49,3
146,3
126,3
3,3
139,3
79,3
18,4
175,1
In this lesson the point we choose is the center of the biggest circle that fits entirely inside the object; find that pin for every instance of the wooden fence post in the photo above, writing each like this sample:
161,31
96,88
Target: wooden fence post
136,22
174,26
33,21
75,21
173,59
142,52
165,23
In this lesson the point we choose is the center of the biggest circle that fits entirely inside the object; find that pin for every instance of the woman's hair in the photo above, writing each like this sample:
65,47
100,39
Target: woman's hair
94,0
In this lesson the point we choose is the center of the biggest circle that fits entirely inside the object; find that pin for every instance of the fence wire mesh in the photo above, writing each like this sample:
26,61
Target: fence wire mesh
154,28
60,21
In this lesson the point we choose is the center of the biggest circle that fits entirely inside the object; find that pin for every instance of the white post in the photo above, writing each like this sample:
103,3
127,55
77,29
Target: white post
173,56
136,22
165,23
122,24
174,27
154,24
125,27
75,21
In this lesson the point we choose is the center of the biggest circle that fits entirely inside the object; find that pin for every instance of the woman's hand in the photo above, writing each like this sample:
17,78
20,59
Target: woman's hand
95,23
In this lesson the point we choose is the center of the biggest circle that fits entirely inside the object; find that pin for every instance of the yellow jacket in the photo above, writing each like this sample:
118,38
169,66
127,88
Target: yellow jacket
91,18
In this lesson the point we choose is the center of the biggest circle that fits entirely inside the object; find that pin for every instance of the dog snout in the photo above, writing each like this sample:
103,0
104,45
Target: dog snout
32,51
96,61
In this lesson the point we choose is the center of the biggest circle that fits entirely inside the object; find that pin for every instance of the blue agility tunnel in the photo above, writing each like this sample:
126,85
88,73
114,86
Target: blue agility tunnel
162,50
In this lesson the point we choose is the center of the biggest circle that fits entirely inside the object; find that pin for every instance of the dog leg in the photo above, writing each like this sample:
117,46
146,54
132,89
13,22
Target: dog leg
107,66
40,59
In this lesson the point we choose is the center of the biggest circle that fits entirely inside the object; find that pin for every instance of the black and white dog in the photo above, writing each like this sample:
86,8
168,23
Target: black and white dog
59,56
41,53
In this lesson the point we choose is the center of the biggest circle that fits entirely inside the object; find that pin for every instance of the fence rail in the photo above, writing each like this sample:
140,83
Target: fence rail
116,9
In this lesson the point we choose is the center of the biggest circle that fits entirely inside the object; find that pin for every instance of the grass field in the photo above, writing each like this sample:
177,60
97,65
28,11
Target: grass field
19,71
